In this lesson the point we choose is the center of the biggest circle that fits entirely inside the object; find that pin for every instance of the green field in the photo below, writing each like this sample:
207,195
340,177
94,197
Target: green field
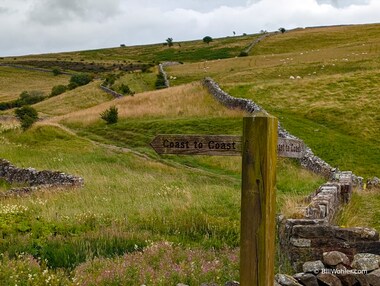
182,211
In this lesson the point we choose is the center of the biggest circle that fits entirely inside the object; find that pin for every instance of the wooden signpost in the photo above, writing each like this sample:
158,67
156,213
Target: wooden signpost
259,147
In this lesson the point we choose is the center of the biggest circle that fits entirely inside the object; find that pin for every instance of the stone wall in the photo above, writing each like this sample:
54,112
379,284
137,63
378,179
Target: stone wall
309,237
336,269
258,40
33,178
110,91
164,74
309,160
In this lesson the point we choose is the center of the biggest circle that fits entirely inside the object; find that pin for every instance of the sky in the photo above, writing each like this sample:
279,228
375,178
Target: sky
44,26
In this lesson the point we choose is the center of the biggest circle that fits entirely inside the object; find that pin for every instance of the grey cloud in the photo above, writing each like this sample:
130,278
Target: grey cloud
344,3
56,11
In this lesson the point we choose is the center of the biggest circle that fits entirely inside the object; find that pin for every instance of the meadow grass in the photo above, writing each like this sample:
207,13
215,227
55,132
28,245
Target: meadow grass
73,100
183,206
14,81
367,203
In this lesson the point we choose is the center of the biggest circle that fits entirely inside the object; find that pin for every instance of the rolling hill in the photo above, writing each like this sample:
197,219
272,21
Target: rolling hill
322,84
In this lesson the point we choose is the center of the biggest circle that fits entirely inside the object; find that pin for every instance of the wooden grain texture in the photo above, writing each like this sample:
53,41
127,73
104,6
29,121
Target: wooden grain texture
190,145
258,201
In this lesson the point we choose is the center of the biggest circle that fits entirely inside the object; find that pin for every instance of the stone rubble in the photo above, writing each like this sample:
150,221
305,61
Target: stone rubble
33,178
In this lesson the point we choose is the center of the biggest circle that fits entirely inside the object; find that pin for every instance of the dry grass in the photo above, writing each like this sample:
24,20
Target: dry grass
14,81
188,101
294,206
74,100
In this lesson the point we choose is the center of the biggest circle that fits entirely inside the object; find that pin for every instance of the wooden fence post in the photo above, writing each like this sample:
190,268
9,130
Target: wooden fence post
258,201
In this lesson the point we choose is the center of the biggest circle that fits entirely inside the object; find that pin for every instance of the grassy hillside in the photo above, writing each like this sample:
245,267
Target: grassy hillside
188,51
13,81
184,211
333,105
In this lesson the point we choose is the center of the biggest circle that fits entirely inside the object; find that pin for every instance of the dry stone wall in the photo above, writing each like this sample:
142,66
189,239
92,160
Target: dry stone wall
33,178
110,91
308,237
309,160
336,269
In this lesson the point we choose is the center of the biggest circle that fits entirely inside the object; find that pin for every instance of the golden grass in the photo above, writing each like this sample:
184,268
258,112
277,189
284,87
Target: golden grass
74,100
189,100
294,206
14,81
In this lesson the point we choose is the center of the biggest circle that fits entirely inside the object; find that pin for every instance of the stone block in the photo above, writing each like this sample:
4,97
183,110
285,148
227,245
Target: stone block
356,234
373,278
366,261
307,279
300,242
334,258
286,280
329,279
313,267
313,231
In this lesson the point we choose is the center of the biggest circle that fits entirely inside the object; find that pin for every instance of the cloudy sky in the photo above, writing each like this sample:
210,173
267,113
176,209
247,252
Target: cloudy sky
41,26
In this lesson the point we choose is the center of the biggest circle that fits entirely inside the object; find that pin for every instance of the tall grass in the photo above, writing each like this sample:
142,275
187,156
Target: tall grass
14,81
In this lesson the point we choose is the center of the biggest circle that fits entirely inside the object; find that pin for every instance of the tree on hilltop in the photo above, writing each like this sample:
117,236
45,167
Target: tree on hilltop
207,40
170,41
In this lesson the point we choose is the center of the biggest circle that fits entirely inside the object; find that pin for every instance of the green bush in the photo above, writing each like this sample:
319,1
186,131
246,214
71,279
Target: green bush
27,115
56,71
124,89
57,90
79,80
160,81
110,115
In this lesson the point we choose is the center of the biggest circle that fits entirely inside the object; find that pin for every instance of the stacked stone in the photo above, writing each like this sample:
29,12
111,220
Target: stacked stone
110,91
32,177
163,73
309,160
228,100
336,269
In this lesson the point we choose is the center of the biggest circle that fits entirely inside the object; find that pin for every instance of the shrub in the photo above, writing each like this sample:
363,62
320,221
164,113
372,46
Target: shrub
243,54
160,81
79,80
56,71
124,89
110,115
58,89
27,116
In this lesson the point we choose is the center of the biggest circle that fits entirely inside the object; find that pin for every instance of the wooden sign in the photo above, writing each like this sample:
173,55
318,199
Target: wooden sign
222,145
258,148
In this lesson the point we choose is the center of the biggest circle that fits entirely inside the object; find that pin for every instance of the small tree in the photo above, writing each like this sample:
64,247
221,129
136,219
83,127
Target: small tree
282,30
110,115
27,116
207,40
170,41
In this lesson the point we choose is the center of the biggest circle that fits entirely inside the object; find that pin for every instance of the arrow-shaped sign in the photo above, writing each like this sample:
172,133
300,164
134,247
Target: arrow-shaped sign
222,145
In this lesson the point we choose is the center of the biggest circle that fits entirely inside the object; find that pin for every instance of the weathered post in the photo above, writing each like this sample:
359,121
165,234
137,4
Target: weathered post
258,201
